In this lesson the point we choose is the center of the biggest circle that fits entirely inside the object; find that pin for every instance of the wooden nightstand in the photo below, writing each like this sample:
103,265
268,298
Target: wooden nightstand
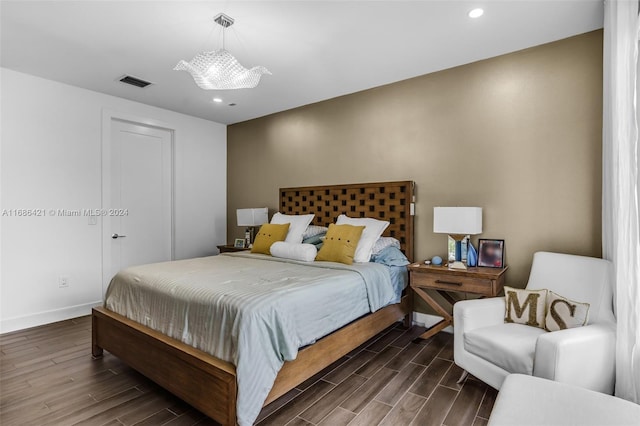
487,282
231,249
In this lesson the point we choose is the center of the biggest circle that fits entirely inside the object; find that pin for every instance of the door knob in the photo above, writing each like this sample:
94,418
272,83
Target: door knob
114,236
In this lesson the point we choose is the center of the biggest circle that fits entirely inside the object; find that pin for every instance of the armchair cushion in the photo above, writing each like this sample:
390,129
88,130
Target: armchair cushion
509,346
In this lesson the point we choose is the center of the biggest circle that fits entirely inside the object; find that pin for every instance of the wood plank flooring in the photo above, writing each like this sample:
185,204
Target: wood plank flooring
48,377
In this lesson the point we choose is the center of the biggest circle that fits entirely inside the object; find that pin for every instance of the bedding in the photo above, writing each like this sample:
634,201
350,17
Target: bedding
267,235
313,230
340,244
397,262
254,311
372,231
297,225
391,256
304,252
399,279
383,243
317,240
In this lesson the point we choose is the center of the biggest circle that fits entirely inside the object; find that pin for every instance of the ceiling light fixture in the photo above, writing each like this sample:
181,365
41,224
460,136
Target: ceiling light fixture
476,13
220,70
217,100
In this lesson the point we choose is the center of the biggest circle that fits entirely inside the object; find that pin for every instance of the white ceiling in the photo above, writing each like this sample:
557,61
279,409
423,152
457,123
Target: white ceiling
316,50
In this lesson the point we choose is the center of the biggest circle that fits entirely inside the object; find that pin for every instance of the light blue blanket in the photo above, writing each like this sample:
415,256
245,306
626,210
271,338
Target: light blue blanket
254,311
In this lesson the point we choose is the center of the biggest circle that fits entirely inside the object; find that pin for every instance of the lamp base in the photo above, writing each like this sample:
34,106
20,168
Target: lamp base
457,248
249,236
457,265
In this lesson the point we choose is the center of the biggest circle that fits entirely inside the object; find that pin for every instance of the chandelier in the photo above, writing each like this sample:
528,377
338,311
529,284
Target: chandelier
220,70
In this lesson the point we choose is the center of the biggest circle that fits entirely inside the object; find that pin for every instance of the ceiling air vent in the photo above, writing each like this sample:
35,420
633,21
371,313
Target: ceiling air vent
134,81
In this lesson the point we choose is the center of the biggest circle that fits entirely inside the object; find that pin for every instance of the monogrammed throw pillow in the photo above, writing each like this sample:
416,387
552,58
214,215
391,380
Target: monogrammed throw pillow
525,306
563,313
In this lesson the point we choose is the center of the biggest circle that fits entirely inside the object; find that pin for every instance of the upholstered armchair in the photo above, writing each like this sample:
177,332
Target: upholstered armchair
490,349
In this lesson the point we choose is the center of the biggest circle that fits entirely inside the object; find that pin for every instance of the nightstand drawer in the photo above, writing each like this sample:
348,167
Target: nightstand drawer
485,282
449,282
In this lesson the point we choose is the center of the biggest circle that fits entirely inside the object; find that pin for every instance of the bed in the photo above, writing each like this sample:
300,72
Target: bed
208,382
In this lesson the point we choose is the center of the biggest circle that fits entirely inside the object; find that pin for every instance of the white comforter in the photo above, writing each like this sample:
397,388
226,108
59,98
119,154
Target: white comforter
254,311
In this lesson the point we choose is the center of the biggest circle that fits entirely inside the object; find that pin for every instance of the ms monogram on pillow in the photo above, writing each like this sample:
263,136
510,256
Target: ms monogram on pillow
563,313
556,316
525,306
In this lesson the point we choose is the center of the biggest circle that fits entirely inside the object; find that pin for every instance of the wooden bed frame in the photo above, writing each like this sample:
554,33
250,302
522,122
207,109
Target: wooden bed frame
390,201
208,383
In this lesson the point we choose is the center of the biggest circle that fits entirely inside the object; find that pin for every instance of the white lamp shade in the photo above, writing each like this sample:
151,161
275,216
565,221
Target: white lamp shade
457,220
252,217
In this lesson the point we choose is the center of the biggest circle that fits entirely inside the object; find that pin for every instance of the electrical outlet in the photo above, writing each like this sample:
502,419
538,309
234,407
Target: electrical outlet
63,282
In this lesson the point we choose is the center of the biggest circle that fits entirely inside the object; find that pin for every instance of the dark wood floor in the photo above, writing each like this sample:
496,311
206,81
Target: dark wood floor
47,377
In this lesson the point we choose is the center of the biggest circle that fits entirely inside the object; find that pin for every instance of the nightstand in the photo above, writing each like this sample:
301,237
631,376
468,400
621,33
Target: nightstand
486,282
231,249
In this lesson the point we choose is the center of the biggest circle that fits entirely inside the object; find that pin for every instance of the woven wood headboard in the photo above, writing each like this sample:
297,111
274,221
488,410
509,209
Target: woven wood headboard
390,201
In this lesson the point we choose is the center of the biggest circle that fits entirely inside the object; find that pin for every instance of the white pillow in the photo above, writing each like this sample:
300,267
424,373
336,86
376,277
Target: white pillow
383,243
297,225
313,230
372,231
304,252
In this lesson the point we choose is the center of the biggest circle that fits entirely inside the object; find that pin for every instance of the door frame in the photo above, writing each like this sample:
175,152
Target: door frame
108,116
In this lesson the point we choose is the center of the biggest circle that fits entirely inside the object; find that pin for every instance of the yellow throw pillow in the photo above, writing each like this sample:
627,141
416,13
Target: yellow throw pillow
525,306
269,233
563,313
340,244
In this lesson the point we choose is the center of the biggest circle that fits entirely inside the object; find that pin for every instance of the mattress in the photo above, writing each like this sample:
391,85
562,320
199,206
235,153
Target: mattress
254,311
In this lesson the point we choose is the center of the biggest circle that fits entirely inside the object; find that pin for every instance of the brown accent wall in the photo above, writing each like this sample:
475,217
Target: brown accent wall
519,135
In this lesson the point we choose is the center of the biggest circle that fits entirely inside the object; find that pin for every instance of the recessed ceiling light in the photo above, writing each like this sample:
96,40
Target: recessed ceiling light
476,13
217,100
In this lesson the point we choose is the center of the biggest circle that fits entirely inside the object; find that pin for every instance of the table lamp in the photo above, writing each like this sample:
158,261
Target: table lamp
458,222
252,218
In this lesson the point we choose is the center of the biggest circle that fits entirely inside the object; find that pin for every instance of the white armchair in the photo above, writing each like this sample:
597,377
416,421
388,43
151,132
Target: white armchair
490,349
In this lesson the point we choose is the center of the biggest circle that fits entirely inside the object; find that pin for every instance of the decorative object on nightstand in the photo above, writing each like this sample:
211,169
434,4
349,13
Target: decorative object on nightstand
486,282
491,253
229,248
458,222
252,218
472,254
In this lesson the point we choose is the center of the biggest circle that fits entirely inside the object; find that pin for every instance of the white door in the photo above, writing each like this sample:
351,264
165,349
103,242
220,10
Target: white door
138,216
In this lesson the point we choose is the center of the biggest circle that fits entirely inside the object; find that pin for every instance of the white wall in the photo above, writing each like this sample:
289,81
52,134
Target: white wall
50,158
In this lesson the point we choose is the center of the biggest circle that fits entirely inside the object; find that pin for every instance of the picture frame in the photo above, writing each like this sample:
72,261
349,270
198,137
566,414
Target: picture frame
491,253
239,243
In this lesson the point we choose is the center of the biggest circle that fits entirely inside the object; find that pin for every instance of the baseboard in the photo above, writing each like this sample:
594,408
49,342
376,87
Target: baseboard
47,317
428,320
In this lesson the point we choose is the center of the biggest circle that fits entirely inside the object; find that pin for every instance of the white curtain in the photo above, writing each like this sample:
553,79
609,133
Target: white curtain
620,216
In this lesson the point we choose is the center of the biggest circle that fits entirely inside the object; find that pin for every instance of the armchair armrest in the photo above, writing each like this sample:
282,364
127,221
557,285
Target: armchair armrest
478,313
583,356
469,315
